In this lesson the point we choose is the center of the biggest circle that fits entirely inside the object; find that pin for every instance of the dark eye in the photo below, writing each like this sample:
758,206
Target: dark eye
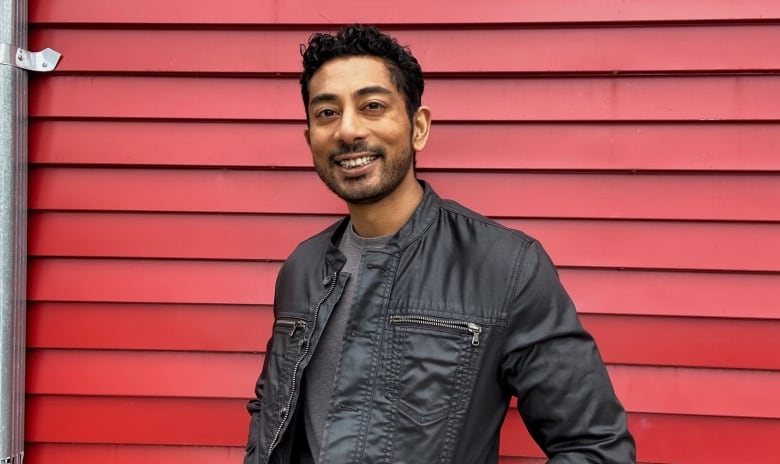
326,113
374,106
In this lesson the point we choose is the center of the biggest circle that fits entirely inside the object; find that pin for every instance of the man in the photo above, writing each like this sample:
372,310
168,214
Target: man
402,331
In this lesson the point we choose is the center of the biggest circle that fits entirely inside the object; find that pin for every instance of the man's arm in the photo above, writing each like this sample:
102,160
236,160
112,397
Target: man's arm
553,366
253,407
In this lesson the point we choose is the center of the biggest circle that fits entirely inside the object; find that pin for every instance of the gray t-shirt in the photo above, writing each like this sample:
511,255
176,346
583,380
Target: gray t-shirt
321,373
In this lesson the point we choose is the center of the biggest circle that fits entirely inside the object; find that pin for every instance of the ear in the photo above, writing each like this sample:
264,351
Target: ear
421,127
306,136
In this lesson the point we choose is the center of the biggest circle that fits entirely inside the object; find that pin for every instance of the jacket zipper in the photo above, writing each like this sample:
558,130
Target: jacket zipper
452,324
292,324
286,411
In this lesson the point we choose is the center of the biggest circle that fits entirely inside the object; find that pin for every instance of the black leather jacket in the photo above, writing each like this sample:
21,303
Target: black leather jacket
453,318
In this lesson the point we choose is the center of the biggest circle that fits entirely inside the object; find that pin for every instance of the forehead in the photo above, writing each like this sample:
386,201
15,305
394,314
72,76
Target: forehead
346,75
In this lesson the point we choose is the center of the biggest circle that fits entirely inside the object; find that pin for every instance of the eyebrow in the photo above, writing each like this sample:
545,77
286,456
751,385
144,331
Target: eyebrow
322,98
330,97
374,89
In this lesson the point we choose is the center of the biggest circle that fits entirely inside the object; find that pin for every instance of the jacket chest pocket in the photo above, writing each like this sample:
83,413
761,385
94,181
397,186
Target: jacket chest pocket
288,333
429,367
286,347
429,356
288,338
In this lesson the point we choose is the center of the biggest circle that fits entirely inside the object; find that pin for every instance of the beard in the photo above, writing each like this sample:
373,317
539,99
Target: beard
353,190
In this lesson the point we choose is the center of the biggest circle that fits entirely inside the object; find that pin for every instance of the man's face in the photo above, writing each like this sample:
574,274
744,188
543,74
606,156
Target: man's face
361,139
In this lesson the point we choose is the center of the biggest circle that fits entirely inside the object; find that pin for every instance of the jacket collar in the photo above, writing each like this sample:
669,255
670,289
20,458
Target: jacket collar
421,220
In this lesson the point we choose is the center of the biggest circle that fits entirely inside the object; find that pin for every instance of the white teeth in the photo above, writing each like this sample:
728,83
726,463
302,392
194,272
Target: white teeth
357,162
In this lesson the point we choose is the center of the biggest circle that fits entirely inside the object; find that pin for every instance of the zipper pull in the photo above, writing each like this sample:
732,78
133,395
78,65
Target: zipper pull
296,326
475,330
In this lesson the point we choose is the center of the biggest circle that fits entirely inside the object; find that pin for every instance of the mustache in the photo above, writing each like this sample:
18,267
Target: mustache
359,147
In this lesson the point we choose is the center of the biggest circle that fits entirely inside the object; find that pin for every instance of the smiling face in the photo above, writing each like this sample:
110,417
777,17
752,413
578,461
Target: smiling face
361,138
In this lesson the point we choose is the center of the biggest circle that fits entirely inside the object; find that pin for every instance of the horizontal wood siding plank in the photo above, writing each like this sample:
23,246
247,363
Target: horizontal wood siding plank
641,340
686,341
191,236
137,420
739,295
674,439
607,49
584,243
446,12
152,281
702,392
222,422
68,453
692,294
142,373
657,245
668,390
698,146
667,98
175,327
651,196
552,195
113,189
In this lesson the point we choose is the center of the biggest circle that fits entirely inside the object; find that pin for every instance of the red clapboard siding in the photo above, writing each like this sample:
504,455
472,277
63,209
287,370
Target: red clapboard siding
674,293
175,327
403,11
668,390
739,295
668,98
153,281
169,178
497,146
138,420
645,340
676,439
751,197
686,341
128,373
67,453
642,244
667,48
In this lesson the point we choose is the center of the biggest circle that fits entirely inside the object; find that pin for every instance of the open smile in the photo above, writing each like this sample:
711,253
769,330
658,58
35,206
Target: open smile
356,162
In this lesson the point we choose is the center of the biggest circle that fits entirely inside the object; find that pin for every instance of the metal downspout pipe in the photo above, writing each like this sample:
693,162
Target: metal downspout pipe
13,234
15,62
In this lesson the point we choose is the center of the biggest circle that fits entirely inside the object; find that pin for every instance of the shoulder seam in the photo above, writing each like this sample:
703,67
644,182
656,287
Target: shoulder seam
487,221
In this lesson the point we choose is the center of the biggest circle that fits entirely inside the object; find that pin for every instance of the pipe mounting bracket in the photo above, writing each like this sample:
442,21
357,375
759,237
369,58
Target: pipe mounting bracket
43,61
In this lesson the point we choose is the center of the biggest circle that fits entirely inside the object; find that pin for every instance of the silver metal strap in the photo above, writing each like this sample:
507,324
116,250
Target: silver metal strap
43,61
18,459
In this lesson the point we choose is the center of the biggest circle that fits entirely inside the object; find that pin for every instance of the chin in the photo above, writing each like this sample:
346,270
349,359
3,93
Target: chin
364,196
361,198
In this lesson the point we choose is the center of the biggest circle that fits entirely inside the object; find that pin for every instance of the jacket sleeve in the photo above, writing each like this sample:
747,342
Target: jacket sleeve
252,454
553,366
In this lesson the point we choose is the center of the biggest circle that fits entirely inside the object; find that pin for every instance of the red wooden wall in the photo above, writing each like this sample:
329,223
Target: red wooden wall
639,140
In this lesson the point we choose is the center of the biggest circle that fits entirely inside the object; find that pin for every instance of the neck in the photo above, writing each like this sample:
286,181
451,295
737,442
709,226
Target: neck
389,214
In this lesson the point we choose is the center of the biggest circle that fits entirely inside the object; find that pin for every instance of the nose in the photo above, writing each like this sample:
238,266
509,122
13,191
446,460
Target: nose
351,127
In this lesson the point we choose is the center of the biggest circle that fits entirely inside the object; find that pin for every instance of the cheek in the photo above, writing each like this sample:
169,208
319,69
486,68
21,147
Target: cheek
316,141
399,134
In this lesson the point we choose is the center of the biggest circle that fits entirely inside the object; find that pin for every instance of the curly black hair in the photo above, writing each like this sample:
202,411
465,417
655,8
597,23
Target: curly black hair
357,40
